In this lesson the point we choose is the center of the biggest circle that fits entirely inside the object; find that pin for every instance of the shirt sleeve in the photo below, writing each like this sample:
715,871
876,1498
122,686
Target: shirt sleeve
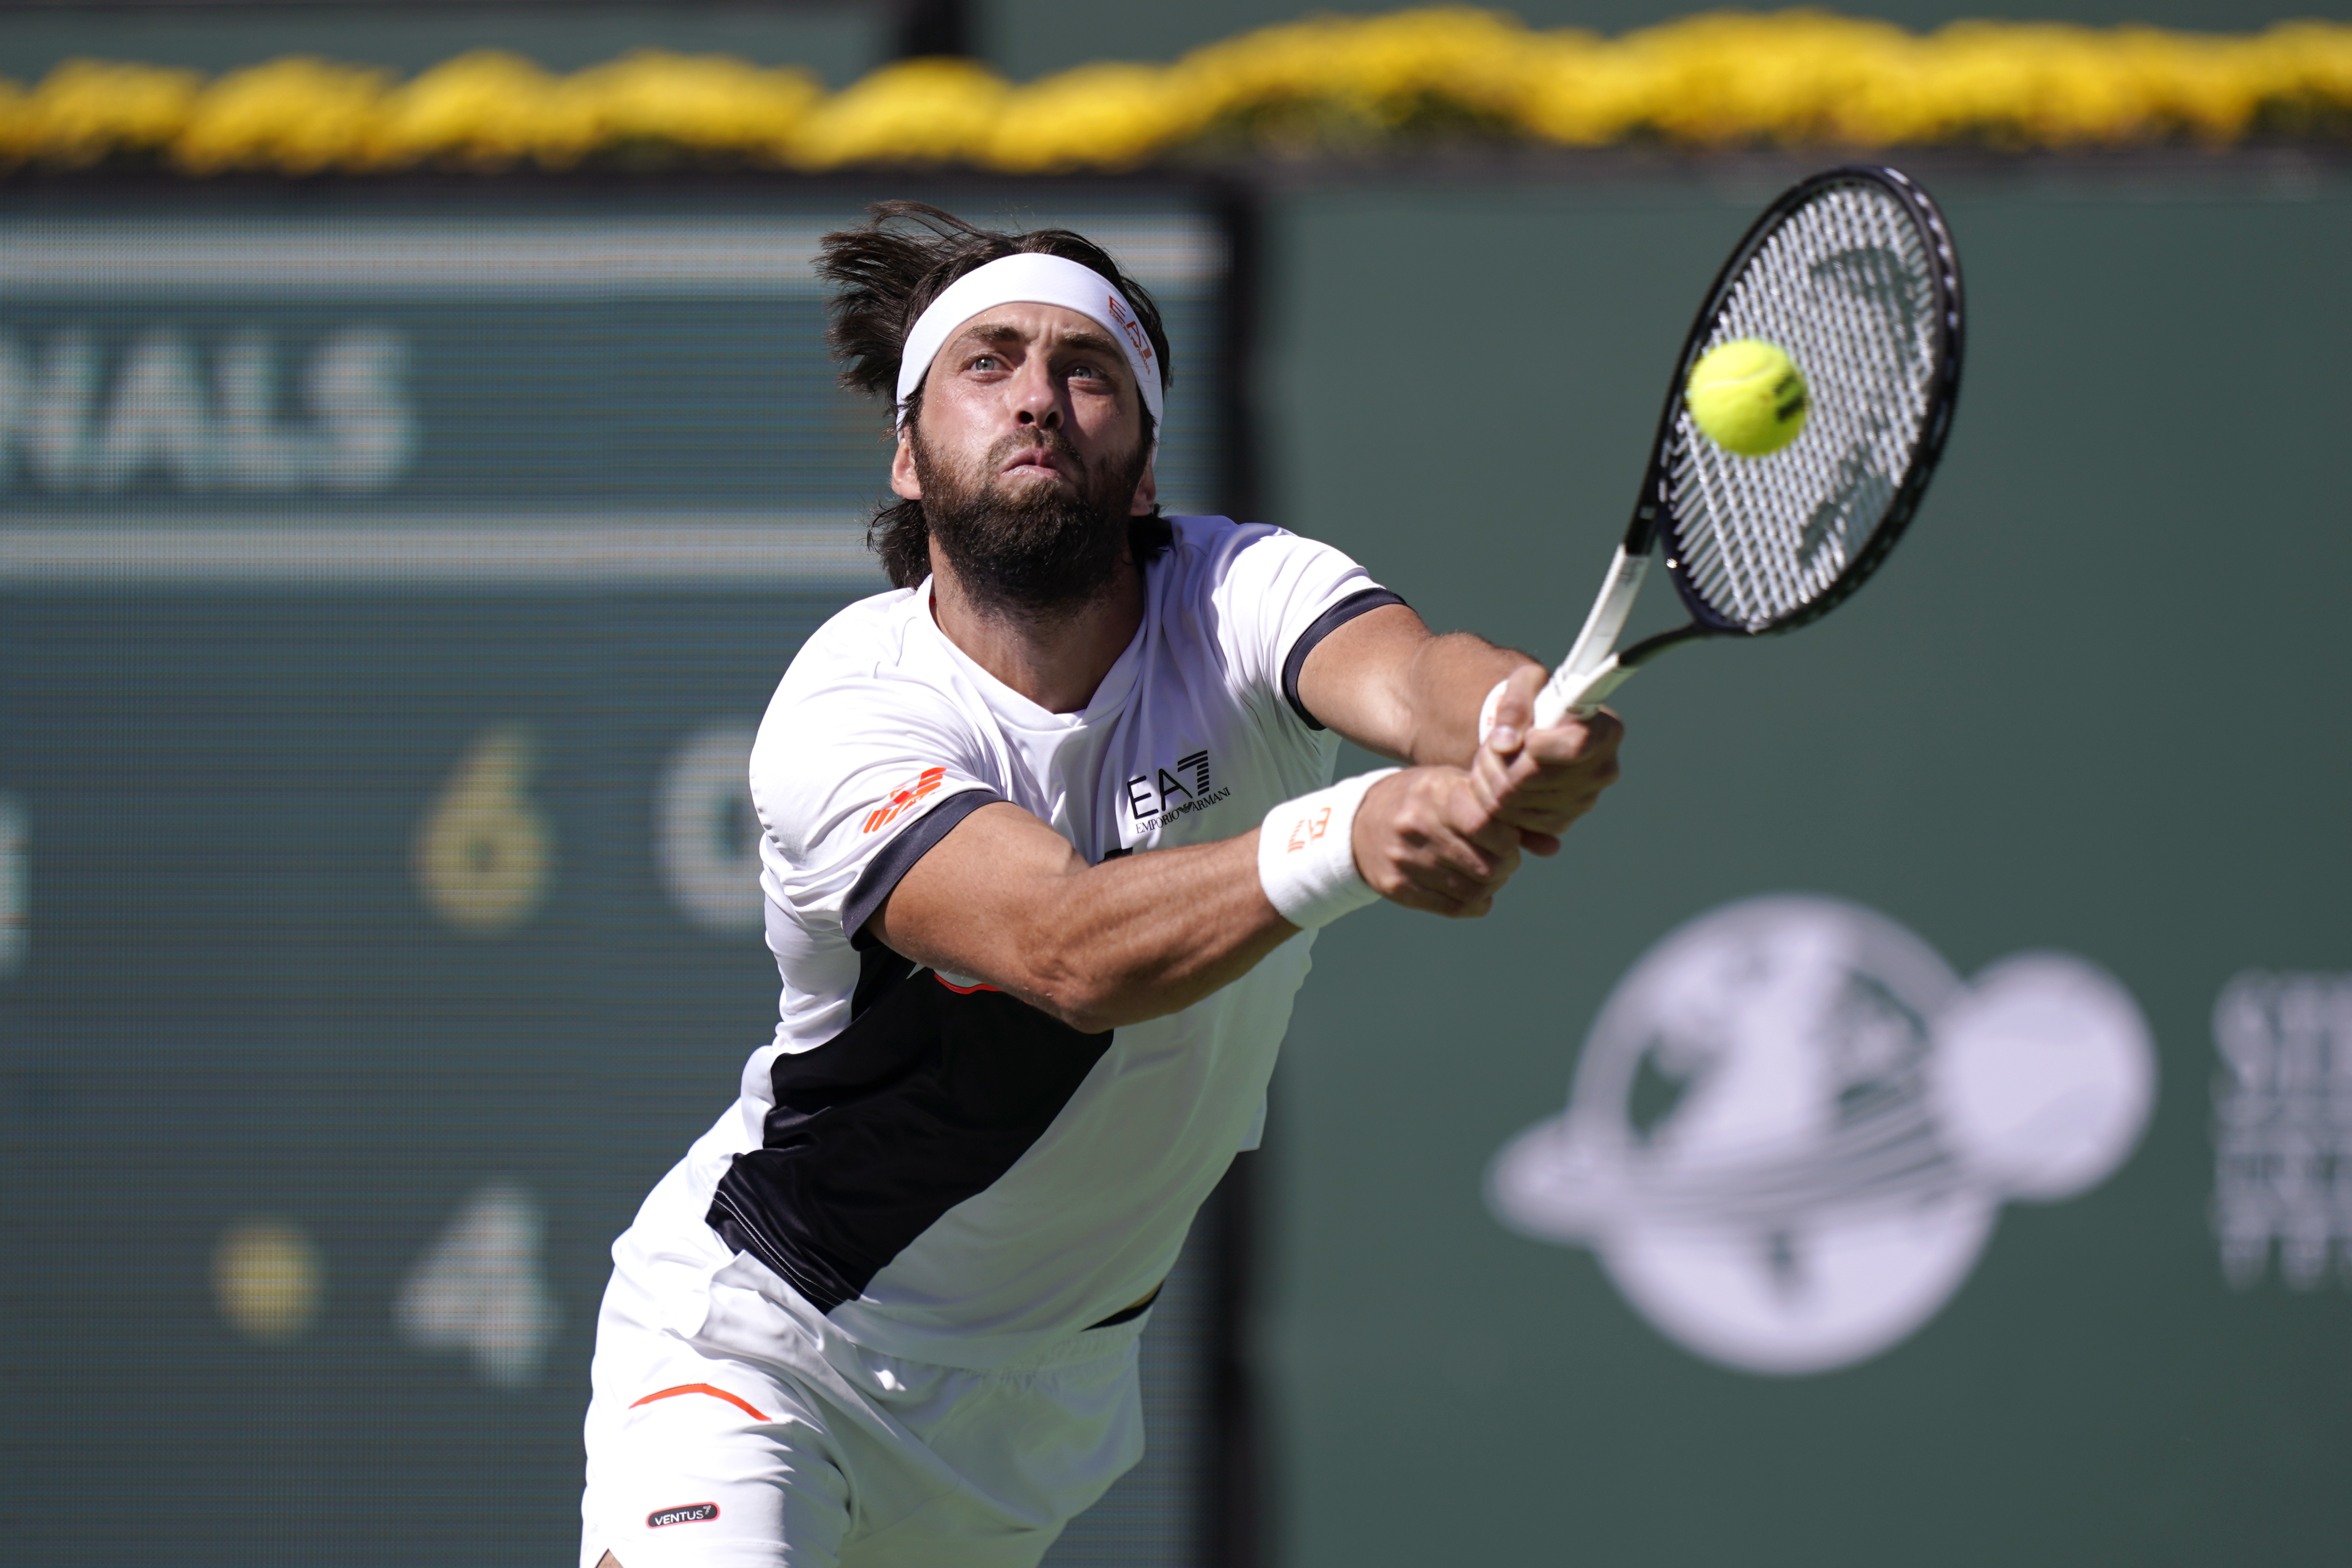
1277,596
853,786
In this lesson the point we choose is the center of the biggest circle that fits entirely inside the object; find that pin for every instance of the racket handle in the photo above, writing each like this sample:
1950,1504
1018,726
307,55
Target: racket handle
1577,693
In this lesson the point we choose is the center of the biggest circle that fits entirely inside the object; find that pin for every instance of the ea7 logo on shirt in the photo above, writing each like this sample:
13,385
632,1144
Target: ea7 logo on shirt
684,1513
1162,794
894,805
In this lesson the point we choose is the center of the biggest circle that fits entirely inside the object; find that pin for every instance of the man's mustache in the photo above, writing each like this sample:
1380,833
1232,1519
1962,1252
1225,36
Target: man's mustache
1052,441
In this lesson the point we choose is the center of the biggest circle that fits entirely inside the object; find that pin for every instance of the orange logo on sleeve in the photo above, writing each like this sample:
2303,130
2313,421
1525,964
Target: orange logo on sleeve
894,805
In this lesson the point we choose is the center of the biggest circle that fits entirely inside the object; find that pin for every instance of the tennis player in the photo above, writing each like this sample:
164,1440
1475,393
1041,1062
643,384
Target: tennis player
1048,829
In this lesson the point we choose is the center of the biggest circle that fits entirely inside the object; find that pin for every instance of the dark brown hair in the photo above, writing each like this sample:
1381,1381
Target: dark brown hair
885,274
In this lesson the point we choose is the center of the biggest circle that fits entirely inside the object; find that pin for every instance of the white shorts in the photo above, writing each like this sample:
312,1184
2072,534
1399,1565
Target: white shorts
700,1454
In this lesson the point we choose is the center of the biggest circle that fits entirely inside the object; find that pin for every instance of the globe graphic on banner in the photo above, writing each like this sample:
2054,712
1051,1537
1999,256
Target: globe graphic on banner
1793,1126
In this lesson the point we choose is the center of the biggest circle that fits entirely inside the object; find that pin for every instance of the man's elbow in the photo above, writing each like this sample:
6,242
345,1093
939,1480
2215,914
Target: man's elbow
1117,1012
1075,988
1090,1005
1086,1021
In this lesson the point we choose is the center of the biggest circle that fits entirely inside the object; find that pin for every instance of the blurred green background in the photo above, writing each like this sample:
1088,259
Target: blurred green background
2094,704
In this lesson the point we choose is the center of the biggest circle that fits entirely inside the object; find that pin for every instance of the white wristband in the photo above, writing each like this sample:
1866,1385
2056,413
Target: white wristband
1307,854
1486,710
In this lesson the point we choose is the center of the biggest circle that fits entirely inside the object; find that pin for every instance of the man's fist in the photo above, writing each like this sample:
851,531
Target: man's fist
1539,781
1423,838
1446,839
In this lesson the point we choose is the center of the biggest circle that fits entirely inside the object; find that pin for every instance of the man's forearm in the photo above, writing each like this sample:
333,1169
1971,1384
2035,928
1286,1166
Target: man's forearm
1005,901
1385,683
1447,679
1151,935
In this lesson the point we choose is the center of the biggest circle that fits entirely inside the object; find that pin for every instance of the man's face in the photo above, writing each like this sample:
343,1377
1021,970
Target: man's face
1028,455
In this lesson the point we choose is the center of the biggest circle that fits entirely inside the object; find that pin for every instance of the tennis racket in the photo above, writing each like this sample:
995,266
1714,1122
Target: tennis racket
1853,272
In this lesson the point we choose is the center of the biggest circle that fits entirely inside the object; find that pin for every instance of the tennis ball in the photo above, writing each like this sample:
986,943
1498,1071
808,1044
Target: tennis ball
1747,396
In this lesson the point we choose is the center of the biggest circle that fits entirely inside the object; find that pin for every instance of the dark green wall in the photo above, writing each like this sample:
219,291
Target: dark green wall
2094,704
840,43
1023,38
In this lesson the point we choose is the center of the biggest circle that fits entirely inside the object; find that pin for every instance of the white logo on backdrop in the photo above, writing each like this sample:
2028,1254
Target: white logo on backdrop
2282,1128
65,425
1793,1126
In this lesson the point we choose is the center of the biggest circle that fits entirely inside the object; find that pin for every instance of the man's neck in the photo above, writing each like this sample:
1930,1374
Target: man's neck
1056,661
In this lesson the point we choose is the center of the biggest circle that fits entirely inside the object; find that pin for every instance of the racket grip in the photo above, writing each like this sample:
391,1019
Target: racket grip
1577,694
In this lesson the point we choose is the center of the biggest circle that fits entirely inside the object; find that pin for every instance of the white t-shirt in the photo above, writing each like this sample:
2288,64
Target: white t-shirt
936,1169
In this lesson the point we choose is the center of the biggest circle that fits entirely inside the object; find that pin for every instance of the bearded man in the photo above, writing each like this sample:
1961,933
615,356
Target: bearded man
1047,830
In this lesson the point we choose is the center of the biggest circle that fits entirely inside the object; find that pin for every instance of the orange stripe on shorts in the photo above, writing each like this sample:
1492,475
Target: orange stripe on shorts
700,1388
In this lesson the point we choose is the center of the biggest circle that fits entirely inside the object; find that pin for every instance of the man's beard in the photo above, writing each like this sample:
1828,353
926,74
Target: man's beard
1037,552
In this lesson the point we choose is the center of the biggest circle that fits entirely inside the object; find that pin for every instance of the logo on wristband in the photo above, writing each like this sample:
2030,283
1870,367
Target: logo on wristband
1307,830
1306,862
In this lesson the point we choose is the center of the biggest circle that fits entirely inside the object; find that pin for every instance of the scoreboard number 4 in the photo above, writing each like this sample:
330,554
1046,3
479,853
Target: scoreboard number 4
479,1288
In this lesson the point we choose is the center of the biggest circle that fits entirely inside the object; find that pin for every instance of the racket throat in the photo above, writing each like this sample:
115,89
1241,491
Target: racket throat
1591,671
1614,602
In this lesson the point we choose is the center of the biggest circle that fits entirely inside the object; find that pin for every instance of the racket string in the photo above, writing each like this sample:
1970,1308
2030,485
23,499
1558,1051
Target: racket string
1846,285
1794,550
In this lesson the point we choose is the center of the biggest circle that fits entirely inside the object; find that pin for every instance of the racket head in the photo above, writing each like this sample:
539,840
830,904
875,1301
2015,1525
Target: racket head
1855,273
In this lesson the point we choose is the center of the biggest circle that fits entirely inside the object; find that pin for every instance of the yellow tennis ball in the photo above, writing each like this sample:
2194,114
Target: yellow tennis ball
1747,396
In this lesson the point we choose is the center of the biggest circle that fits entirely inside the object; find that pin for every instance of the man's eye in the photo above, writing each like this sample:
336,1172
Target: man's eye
985,362
1083,371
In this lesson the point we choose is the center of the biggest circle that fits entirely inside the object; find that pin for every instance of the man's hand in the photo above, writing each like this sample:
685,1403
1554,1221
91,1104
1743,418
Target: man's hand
1540,781
1423,838
1446,839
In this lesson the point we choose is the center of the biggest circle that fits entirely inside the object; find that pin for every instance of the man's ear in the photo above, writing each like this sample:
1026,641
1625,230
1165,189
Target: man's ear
904,483
1147,489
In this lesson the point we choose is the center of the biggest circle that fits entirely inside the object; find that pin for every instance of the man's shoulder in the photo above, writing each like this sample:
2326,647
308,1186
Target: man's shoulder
1207,536
860,635
1205,551
862,716
875,644
1255,563
861,676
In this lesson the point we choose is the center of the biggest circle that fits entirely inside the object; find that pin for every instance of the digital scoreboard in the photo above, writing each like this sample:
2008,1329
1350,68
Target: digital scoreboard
390,584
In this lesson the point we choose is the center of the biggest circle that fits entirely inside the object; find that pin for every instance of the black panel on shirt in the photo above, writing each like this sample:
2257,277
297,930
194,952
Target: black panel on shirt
878,969
926,1100
1329,621
898,858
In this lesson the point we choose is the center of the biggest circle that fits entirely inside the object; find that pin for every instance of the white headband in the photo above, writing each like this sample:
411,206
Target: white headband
1039,281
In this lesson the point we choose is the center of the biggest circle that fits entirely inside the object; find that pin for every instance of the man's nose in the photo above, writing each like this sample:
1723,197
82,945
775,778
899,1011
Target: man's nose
1035,399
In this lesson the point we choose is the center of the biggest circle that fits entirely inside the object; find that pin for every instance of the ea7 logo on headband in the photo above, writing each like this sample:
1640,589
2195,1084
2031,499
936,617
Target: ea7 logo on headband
685,1514
1134,329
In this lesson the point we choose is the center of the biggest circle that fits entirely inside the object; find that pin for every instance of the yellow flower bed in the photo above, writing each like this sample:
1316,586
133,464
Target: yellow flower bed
1726,78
